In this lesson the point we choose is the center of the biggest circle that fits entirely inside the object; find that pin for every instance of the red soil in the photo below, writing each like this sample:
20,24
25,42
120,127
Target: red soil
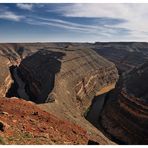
25,123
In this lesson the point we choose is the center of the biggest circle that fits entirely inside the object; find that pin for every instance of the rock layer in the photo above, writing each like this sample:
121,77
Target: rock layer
125,116
126,55
75,75
5,76
70,78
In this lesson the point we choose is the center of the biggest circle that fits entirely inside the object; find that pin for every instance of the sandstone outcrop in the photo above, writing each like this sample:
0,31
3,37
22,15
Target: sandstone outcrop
5,76
125,116
8,51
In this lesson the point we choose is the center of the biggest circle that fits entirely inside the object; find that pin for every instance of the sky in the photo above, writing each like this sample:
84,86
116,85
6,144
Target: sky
73,22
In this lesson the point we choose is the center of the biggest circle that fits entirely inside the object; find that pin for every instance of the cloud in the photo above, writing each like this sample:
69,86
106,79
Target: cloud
109,22
8,15
134,16
83,29
57,23
25,6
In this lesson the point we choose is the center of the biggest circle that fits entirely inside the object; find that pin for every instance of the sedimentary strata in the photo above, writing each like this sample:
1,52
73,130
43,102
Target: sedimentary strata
69,79
125,116
5,76
76,76
126,55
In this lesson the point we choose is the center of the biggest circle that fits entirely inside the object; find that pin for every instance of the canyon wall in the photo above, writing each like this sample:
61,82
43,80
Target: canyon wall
126,55
64,82
125,116
5,76
73,75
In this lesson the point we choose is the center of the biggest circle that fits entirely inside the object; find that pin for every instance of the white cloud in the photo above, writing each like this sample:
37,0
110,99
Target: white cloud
8,15
136,16
25,6
94,30
133,27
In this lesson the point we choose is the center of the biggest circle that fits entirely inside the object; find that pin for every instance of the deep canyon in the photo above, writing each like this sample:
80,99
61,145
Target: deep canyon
88,90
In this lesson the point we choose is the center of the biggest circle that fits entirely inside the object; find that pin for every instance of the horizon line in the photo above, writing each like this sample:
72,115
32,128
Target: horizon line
75,42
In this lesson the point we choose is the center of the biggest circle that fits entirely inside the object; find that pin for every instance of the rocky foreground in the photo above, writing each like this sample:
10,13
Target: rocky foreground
22,122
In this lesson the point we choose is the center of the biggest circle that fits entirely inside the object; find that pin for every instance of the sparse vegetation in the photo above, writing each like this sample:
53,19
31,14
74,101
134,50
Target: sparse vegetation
2,140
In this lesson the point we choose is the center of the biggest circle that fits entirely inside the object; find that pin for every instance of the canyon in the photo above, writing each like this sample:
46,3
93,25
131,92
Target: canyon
126,55
128,109
91,87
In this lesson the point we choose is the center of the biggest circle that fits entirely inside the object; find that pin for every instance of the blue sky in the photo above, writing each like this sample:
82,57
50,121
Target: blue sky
73,22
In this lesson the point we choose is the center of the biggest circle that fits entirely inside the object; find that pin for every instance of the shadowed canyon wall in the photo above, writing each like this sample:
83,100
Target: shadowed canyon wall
75,75
126,115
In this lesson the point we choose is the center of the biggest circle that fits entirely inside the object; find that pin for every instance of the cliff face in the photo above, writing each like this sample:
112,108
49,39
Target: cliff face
16,52
75,75
5,76
126,114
